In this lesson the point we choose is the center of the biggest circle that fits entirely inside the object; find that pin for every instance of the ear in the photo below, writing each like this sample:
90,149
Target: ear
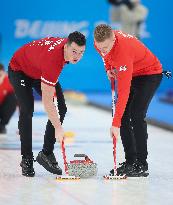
65,46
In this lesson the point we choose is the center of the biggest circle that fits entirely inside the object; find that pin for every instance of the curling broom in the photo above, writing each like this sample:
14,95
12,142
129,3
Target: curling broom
115,176
67,176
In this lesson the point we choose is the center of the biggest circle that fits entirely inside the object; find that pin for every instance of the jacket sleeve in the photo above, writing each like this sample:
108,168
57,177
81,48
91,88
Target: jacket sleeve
124,77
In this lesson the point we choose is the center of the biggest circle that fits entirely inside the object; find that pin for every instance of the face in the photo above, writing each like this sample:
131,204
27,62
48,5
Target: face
106,45
73,52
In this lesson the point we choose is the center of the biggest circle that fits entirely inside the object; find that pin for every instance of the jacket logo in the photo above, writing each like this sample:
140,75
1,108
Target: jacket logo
123,68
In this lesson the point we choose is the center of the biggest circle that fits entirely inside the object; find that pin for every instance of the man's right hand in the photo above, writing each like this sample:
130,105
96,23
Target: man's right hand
111,74
59,134
115,132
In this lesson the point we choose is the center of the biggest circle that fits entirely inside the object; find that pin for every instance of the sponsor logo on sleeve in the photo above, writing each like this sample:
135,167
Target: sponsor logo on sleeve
123,68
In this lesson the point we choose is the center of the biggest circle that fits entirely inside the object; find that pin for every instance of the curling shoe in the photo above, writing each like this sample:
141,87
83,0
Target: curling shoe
49,163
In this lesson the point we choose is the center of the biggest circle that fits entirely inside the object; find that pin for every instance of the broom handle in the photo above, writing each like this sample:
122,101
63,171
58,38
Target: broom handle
64,156
113,96
114,154
113,111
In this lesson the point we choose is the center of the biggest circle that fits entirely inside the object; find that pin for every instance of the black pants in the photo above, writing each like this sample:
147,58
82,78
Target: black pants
23,90
133,125
7,108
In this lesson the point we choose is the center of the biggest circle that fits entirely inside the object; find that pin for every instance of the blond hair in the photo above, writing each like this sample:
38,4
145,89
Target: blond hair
102,32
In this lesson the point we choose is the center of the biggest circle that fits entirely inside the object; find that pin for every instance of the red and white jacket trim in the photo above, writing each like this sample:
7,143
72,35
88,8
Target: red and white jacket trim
47,82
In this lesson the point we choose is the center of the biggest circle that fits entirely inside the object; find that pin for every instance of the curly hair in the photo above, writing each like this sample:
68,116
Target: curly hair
77,37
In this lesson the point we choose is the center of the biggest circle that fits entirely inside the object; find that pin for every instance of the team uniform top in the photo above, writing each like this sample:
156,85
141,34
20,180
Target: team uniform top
130,58
5,89
41,59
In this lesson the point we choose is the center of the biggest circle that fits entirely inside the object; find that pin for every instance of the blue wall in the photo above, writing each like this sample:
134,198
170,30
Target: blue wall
159,25
24,21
